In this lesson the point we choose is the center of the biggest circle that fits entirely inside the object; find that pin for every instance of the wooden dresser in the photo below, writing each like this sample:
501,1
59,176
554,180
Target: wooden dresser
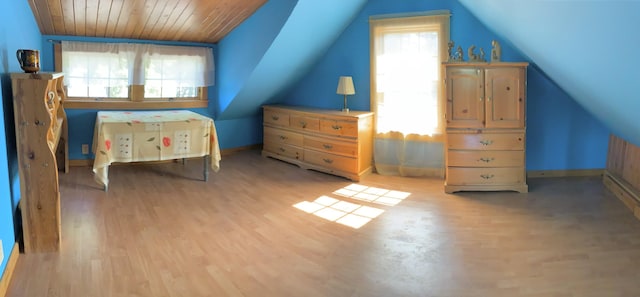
42,145
485,120
331,141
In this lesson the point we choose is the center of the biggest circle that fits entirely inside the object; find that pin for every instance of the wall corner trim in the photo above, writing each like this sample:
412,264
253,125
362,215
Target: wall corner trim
8,272
564,173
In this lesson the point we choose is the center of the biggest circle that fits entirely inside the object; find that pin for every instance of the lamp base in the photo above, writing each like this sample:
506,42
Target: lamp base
345,108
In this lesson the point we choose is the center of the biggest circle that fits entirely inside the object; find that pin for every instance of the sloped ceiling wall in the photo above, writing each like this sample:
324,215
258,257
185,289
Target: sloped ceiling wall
589,48
306,34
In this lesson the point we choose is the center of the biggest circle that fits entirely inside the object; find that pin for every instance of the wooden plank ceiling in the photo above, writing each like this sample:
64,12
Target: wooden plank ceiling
205,21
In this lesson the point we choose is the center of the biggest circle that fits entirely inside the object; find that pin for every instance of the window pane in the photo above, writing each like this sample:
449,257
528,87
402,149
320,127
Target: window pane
407,72
96,74
171,76
153,89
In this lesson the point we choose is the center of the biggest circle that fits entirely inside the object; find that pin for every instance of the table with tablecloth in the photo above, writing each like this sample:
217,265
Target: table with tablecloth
138,136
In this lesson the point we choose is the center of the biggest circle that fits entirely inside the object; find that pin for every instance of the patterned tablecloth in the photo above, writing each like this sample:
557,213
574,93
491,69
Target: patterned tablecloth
134,136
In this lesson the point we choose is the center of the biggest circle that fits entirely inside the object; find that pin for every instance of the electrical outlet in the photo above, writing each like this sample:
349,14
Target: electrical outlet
1,252
85,149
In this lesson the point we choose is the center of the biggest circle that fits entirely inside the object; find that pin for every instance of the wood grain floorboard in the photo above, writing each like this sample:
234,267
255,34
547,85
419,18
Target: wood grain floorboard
161,231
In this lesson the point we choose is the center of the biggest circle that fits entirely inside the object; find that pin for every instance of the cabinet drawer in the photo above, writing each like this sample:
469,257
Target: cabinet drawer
331,161
284,150
485,158
506,141
349,149
485,176
274,135
304,123
339,127
275,117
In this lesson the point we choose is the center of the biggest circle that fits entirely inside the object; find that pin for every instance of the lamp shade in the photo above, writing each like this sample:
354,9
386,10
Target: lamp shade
345,86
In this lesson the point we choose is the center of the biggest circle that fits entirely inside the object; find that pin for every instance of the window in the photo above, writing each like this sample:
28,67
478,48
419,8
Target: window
96,72
125,75
406,57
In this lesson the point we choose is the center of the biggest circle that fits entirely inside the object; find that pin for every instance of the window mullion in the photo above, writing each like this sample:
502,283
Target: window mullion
137,93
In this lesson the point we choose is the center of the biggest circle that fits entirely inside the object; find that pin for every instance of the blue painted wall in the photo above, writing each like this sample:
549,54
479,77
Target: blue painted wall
561,134
18,29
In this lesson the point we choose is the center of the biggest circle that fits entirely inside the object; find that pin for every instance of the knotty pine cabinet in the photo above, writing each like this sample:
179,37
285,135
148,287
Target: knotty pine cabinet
485,126
331,141
42,148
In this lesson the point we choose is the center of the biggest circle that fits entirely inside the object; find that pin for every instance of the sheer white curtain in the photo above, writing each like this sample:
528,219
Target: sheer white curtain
96,69
406,90
193,66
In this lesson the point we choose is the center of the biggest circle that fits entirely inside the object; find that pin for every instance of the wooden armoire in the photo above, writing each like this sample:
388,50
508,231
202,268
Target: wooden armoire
485,126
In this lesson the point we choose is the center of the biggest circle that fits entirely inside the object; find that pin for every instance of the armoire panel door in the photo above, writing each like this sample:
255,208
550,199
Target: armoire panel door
465,98
505,107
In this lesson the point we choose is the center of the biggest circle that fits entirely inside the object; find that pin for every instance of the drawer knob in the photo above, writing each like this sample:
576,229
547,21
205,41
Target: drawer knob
283,137
336,127
303,124
275,118
328,161
487,176
282,150
486,142
486,160
327,146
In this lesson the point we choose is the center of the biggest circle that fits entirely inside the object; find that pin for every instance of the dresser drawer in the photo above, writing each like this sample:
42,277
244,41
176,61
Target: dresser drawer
349,149
497,141
485,158
276,117
485,176
304,123
331,161
284,150
274,135
339,127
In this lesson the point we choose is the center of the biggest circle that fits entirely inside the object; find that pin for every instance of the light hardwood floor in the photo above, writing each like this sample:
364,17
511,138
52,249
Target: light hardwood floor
160,231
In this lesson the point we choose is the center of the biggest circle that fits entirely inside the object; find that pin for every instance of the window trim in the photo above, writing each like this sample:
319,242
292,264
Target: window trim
136,98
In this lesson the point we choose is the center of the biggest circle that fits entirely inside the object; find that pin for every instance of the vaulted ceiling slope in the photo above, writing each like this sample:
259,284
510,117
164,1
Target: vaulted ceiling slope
205,21
304,37
589,48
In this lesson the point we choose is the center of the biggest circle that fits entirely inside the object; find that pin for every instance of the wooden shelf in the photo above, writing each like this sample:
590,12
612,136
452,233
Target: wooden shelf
42,147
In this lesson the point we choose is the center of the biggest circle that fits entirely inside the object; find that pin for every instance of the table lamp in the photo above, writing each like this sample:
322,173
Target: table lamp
345,87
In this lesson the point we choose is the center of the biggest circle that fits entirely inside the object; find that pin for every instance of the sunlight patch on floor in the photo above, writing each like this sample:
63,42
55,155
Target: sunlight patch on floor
372,194
352,214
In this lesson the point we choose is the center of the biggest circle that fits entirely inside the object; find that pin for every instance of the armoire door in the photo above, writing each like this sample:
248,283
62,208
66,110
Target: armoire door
505,93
